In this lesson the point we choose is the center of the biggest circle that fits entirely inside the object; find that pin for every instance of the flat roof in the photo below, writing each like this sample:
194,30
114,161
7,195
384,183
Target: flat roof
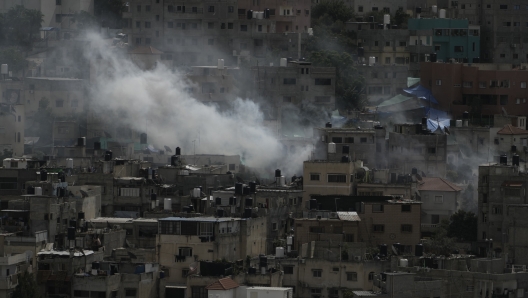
270,288
200,219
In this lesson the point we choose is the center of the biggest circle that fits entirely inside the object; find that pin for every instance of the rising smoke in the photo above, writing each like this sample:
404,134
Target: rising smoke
156,101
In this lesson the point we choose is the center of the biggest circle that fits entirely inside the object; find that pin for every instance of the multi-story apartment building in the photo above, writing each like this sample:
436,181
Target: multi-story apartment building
503,28
324,177
412,147
492,88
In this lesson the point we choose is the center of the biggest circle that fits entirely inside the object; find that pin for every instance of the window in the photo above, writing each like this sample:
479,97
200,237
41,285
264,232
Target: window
405,208
138,8
317,230
170,25
439,199
259,28
406,228
243,27
147,7
314,177
438,82
374,9
496,209
231,9
229,25
503,6
323,81
211,8
387,61
185,252
317,273
431,150
351,276
378,228
360,8
337,140
289,81
59,103
435,219
337,178
467,84
504,100
198,292
288,269
377,207
371,276
206,229
523,85
130,292
274,226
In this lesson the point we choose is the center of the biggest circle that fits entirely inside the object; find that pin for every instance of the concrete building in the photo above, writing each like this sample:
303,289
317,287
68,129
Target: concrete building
502,28
322,177
12,265
12,128
458,86
411,147
440,199
338,227
362,7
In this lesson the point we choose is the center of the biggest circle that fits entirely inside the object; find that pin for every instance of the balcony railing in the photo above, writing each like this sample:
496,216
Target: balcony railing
8,282
432,226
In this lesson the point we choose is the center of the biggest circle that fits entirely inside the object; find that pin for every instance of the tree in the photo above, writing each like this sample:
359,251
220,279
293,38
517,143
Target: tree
337,10
14,59
440,243
27,287
21,25
349,84
463,226
401,18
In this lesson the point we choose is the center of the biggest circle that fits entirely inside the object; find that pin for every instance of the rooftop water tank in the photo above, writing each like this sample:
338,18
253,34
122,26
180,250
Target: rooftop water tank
279,252
167,204
331,147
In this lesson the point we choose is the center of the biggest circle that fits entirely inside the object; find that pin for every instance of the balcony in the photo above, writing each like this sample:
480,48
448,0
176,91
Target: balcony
430,226
15,259
8,282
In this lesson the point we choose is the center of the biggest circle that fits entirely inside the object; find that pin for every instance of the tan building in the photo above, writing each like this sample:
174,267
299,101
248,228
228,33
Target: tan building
322,177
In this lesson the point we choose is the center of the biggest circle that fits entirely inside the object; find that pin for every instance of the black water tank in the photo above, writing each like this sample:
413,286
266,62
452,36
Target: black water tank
80,142
73,223
346,149
277,173
178,151
394,26
220,212
293,178
249,14
414,171
247,212
191,208
61,191
153,196
266,13
503,160
95,265
452,122
418,250
371,19
143,138
249,202
465,115
43,175
239,188
253,187
108,155
97,145
218,201
383,249
263,261
174,160
71,233
313,204
185,209
433,57
30,190
345,158
289,59
328,125
80,215
513,148
418,10
360,52
424,121
380,26
232,201
246,191
515,160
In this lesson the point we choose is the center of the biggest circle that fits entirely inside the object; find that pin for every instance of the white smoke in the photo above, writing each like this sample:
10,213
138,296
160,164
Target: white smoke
157,99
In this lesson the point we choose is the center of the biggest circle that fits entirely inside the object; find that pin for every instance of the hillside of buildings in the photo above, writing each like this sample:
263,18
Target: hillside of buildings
263,149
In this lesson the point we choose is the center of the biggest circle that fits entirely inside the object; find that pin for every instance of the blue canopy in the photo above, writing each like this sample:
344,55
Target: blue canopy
421,92
436,119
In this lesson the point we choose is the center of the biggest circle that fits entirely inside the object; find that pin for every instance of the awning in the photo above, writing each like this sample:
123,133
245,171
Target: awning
421,92
175,287
412,81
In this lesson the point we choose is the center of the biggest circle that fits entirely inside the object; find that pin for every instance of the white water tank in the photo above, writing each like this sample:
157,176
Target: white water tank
282,180
442,14
220,63
434,9
3,69
167,204
260,15
465,123
458,123
69,163
196,192
38,191
310,31
254,15
283,62
153,204
289,240
404,263
279,252
158,202
331,147
372,61
7,163
386,19
263,270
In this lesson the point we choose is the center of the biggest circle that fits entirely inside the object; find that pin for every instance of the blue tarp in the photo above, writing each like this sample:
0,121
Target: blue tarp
436,119
421,92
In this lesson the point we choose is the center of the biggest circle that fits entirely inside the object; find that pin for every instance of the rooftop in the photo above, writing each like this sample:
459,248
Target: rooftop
223,284
437,184
512,130
200,219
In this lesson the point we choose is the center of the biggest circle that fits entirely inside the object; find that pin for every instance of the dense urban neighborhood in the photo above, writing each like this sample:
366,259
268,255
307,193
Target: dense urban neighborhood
263,148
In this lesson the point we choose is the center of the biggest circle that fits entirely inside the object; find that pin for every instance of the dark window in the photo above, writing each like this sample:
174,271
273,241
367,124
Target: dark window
170,8
349,140
243,27
211,8
406,208
198,292
435,219
288,269
130,292
289,81
351,276
377,208
58,2
337,178
363,140
317,273
431,150
138,8
8,183
147,8
323,81
241,11
185,252
230,9
318,230
406,228
378,228
314,177
337,140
